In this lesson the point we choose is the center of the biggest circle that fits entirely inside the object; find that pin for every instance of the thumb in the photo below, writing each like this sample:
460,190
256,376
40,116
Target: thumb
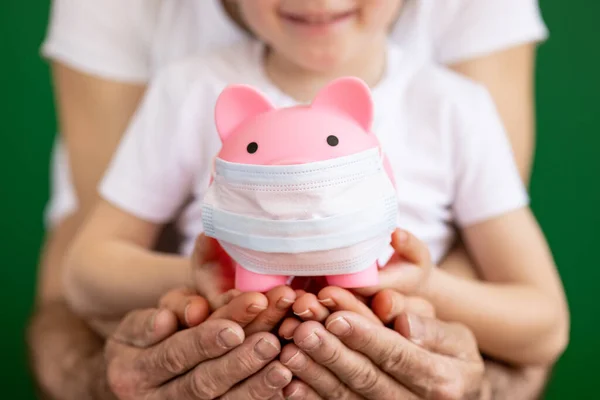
205,250
403,277
208,275
411,249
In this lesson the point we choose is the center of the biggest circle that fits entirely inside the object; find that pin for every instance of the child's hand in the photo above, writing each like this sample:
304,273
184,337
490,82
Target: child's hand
209,266
409,270
255,312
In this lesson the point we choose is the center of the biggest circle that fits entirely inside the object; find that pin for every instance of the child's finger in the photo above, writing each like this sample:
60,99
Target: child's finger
223,299
308,308
242,309
408,247
288,327
280,300
190,309
389,304
338,299
406,278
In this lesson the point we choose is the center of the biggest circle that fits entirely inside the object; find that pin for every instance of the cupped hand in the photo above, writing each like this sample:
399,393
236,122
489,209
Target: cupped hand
150,357
147,358
352,357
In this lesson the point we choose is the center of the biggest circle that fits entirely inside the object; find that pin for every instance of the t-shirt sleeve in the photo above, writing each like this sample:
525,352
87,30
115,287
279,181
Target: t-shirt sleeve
149,176
63,199
487,182
108,38
479,27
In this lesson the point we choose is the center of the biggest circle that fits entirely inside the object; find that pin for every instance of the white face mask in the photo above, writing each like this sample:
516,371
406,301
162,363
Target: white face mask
321,218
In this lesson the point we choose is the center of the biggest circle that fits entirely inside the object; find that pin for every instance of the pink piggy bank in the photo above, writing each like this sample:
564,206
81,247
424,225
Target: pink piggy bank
300,191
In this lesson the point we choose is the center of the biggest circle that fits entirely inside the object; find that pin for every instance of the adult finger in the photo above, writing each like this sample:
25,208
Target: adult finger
354,369
338,299
185,303
145,328
288,327
214,378
450,339
424,372
308,308
242,309
280,299
389,304
298,390
316,376
266,384
186,349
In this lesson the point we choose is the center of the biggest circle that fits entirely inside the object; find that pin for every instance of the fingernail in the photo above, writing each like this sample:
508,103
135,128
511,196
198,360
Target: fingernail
255,308
151,323
284,303
402,236
310,342
294,395
328,302
339,326
158,318
265,349
415,327
304,314
229,338
296,362
185,314
277,378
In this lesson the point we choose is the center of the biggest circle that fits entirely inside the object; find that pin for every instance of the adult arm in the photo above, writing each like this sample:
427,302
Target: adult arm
93,114
61,345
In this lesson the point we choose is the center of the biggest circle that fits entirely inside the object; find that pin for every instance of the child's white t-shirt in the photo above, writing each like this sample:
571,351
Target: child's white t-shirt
446,144
131,40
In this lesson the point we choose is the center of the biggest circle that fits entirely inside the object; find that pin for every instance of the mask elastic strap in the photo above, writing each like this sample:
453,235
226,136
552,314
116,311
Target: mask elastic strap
213,171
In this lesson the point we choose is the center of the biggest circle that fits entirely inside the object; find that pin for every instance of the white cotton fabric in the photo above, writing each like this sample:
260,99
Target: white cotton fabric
131,40
450,155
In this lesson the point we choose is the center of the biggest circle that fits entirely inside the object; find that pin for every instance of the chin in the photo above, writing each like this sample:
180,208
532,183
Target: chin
322,59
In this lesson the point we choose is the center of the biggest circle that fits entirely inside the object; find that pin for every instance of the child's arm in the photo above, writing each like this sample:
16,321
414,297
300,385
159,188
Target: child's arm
519,312
111,270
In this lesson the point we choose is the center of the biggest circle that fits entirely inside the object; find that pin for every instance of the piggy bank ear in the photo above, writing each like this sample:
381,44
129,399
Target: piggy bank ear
350,96
236,104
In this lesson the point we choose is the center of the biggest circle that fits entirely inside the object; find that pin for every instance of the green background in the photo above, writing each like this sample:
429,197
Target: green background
565,186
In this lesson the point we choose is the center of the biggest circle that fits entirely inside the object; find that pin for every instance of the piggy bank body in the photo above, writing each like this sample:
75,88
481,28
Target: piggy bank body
303,190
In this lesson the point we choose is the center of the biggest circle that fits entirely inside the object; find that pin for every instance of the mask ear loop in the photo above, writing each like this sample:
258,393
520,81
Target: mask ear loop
214,167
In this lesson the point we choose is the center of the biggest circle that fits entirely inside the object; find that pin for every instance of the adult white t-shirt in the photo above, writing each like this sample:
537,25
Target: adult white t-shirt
131,40
450,155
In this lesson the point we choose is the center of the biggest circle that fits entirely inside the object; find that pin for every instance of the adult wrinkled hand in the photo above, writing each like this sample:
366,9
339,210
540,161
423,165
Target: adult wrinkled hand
148,359
352,356
226,354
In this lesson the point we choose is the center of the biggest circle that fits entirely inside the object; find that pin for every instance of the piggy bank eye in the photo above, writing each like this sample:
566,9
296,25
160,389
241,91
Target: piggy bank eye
252,147
332,140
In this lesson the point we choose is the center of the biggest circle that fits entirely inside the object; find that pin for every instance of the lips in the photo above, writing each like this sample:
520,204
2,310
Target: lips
317,18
